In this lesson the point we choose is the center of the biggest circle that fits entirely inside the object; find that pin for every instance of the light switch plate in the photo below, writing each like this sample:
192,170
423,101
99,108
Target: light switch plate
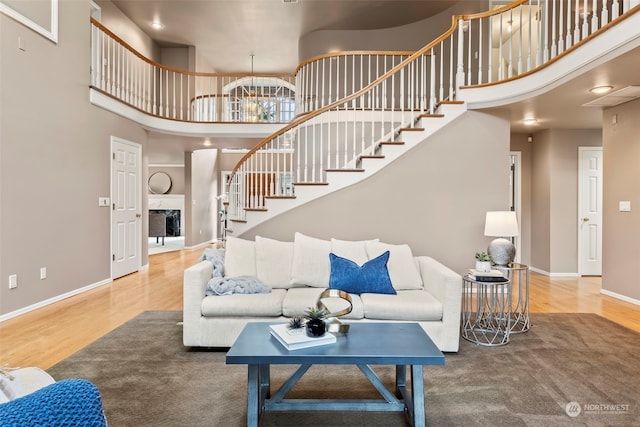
103,201
624,206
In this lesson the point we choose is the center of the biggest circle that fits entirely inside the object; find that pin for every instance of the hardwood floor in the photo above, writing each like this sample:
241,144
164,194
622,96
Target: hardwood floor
48,335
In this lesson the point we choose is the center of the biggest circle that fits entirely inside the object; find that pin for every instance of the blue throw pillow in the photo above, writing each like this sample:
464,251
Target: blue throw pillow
370,278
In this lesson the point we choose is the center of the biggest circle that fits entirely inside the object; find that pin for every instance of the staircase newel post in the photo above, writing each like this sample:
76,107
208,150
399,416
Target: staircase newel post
460,55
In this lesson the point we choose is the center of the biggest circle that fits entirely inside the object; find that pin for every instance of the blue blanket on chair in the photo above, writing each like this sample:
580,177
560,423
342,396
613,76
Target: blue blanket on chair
68,403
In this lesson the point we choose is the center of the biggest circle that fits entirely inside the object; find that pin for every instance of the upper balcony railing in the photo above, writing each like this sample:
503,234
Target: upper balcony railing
121,72
505,43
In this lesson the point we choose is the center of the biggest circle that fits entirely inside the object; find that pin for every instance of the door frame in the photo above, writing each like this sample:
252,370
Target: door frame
112,192
580,255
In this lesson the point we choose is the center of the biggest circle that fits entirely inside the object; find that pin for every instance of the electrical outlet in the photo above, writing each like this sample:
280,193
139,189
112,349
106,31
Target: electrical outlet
43,273
13,281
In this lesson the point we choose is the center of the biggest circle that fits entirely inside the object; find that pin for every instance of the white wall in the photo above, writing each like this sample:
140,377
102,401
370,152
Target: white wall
621,230
54,163
201,189
120,24
406,37
554,198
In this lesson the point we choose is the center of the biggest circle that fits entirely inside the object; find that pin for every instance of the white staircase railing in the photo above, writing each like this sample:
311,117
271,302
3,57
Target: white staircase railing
325,79
479,49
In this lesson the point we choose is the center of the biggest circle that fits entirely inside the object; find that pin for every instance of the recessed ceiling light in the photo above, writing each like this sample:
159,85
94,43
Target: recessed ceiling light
600,89
530,121
157,25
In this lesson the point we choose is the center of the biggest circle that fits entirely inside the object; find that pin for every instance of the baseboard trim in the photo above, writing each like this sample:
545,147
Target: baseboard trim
201,245
620,297
546,273
49,301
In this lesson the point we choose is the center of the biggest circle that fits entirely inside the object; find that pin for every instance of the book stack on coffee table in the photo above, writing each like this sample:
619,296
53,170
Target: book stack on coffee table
492,275
295,339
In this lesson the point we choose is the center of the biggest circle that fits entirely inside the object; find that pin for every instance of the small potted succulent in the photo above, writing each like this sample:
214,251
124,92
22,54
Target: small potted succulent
296,322
315,322
483,262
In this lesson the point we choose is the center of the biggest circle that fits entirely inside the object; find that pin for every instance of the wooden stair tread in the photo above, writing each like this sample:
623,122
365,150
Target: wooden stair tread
392,143
255,209
450,103
431,116
238,220
411,129
372,156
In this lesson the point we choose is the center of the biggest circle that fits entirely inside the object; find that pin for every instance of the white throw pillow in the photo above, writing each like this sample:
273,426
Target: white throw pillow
402,268
311,265
273,262
239,257
354,250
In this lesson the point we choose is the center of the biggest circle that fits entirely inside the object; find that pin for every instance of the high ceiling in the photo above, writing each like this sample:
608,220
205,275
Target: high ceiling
227,32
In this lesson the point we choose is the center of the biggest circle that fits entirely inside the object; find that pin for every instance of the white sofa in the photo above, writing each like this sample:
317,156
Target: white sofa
427,292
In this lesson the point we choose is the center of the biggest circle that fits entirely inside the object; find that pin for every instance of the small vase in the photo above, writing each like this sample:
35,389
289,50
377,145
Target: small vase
483,266
316,327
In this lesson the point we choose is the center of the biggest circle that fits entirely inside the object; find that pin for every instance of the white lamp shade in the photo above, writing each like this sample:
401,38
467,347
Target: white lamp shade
501,224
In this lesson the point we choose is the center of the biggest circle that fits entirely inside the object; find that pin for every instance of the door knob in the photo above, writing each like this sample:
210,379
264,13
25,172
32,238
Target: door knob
138,215
585,219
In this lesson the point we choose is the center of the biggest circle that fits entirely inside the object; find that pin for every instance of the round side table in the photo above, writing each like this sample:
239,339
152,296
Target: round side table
486,311
519,276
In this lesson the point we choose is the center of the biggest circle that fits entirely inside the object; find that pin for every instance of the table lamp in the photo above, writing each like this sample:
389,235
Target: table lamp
501,224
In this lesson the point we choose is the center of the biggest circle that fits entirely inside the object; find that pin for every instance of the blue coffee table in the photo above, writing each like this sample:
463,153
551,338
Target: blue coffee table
399,344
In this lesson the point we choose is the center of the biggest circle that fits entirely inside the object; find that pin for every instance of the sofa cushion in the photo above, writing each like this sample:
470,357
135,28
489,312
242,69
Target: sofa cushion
273,262
370,277
402,267
298,300
406,305
244,305
355,250
239,257
310,261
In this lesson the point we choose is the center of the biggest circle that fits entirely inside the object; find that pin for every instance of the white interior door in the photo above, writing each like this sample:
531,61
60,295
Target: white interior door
126,214
590,211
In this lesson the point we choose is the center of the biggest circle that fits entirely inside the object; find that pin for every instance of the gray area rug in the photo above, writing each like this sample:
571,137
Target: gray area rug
147,378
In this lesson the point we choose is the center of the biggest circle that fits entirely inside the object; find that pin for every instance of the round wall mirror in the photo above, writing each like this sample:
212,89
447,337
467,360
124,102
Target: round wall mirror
159,183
